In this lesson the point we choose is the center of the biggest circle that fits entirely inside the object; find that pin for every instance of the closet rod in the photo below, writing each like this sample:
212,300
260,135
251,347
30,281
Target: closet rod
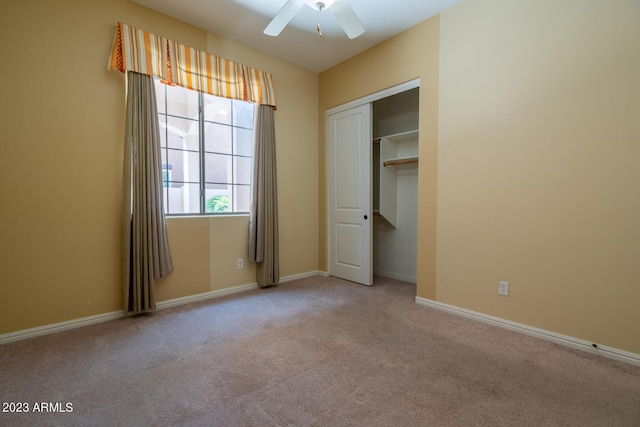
400,161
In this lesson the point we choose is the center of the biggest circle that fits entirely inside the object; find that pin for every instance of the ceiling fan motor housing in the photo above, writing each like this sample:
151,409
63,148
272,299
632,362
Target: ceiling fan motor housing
342,11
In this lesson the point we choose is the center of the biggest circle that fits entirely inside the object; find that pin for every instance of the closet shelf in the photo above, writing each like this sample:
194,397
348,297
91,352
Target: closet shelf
400,161
392,150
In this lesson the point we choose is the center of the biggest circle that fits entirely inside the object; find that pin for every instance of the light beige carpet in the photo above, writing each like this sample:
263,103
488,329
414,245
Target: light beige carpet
313,352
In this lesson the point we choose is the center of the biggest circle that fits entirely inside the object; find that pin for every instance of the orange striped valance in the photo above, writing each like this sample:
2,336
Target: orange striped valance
206,73
177,64
259,86
139,51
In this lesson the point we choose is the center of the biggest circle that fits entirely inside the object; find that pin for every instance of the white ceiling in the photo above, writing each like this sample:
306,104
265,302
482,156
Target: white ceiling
244,20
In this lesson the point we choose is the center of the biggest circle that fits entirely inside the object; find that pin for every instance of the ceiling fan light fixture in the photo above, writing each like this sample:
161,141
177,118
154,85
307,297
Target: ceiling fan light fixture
320,5
342,11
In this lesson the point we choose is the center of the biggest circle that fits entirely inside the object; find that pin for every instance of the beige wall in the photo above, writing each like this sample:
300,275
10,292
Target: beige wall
410,55
61,115
537,140
297,145
539,165
529,152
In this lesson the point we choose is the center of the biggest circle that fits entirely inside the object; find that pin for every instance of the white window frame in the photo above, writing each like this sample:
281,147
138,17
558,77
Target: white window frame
233,182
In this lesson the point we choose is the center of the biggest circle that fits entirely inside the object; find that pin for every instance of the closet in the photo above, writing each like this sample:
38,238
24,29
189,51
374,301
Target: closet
395,185
372,186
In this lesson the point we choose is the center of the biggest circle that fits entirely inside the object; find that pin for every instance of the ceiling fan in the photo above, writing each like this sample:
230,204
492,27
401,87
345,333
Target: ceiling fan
341,9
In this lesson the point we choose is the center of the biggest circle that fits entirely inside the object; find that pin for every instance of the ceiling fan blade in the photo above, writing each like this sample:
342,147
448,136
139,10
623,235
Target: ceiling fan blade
286,14
347,18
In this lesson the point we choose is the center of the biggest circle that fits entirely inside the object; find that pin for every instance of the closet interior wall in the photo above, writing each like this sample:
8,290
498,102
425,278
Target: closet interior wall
395,239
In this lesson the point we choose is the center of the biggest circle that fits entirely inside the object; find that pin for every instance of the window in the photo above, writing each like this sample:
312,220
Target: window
207,151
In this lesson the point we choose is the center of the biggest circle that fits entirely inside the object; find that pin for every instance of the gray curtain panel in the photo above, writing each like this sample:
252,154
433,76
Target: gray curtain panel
146,253
263,215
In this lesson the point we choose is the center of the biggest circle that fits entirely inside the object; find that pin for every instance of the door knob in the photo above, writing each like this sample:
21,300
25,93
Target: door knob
365,217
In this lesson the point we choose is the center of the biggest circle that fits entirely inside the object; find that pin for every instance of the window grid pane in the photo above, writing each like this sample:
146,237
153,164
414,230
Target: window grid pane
207,152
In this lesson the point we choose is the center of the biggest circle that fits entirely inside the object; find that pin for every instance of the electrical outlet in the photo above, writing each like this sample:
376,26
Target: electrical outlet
503,288
240,263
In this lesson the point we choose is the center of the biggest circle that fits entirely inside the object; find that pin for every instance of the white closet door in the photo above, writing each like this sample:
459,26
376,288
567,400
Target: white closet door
349,195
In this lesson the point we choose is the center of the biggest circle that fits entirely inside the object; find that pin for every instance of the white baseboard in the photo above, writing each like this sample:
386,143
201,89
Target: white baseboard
303,276
59,327
594,348
99,318
205,296
227,291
